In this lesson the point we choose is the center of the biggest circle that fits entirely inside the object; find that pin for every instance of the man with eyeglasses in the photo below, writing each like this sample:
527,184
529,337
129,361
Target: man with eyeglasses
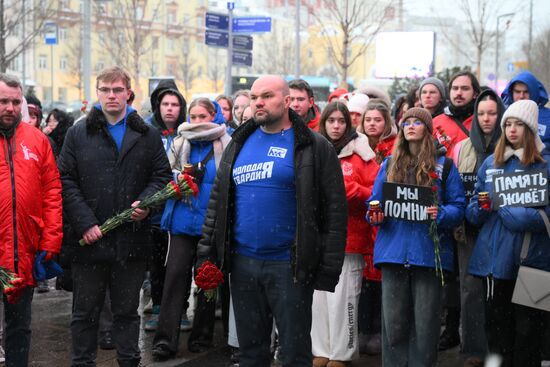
109,162
30,212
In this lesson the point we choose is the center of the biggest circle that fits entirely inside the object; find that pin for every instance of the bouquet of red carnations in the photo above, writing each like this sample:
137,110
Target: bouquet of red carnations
208,278
11,284
184,188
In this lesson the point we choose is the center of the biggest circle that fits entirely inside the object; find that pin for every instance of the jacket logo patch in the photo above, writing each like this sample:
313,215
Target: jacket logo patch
347,169
491,172
542,129
277,152
28,155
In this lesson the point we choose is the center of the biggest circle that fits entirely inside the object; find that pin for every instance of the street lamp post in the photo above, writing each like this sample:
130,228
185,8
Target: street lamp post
497,46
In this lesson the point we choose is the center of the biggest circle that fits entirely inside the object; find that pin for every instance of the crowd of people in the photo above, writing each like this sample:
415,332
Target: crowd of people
361,227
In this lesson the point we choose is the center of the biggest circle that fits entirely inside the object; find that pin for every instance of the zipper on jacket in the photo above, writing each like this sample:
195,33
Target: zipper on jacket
14,206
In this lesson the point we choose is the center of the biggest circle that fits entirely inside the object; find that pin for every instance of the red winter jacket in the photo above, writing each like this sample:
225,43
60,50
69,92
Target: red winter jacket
359,168
448,133
31,192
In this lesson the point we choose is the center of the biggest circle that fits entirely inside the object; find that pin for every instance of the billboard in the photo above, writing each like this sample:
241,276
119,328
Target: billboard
404,54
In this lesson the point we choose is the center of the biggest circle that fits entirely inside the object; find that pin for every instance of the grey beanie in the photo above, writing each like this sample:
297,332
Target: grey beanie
438,84
527,112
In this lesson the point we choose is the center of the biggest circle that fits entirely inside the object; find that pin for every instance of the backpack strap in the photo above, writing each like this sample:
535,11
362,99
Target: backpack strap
210,154
461,126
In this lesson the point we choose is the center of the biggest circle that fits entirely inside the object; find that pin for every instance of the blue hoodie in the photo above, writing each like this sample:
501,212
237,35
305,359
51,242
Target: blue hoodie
187,218
538,94
409,243
499,242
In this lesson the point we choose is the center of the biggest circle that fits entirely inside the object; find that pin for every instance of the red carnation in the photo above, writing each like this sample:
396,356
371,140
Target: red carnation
208,278
191,183
434,188
434,175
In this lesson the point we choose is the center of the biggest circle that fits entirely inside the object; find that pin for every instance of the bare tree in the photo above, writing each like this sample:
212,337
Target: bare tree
12,17
276,55
479,14
215,68
349,27
128,31
540,57
187,65
76,50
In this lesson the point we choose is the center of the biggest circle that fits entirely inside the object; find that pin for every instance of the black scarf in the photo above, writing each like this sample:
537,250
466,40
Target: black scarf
344,140
461,113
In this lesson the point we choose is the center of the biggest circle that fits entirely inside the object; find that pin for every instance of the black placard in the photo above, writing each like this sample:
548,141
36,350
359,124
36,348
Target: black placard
469,182
407,202
526,189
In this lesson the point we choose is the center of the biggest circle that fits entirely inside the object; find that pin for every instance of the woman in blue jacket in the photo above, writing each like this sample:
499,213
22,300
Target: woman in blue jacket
201,143
404,250
513,331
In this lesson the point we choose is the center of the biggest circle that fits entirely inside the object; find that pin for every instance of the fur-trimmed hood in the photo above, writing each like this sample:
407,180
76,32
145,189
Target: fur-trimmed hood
360,146
96,121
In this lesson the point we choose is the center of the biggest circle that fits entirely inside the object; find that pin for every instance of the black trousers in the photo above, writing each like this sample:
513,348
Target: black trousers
513,331
370,307
177,283
90,282
156,264
17,333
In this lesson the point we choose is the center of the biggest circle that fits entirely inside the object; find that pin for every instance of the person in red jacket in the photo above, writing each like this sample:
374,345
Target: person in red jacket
334,327
30,212
453,125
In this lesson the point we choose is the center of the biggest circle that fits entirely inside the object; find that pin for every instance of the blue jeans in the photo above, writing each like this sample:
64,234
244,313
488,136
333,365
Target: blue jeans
263,290
17,333
411,304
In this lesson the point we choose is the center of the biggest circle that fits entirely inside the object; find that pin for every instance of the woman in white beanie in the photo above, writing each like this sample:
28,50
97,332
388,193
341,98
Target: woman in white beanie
513,331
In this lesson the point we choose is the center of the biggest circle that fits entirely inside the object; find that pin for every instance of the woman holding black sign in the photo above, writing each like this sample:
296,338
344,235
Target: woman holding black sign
405,249
513,331
334,328
200,143
468,156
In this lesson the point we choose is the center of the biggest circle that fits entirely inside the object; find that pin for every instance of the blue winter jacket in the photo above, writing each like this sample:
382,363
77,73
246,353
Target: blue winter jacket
187,218
538,94
498,244
409,243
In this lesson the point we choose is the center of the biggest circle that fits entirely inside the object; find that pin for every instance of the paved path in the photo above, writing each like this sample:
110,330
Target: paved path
51,341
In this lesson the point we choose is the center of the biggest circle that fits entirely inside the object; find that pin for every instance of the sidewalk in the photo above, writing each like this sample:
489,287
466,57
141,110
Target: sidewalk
51,341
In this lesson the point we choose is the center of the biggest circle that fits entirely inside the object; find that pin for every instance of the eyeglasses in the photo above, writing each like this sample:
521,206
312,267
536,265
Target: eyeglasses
405,124
107,91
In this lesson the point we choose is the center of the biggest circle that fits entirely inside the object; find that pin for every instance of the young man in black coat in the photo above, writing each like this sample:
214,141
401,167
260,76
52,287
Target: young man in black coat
108,163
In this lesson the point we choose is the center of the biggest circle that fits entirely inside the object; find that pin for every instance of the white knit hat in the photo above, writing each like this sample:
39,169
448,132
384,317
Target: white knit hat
527,112
358,103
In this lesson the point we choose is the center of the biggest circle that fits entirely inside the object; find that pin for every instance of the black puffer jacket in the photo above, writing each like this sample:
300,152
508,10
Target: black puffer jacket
99,181
321,229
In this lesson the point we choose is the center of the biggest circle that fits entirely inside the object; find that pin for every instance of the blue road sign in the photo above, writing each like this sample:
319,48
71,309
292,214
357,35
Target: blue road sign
242,43
251,24
217,21
50,33
243,58
216,38
230,5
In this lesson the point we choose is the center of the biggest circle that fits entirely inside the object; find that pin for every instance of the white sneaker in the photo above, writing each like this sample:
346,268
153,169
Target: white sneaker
2,355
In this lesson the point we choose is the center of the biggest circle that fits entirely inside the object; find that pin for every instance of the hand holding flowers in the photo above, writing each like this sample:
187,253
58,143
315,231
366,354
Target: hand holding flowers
185,187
